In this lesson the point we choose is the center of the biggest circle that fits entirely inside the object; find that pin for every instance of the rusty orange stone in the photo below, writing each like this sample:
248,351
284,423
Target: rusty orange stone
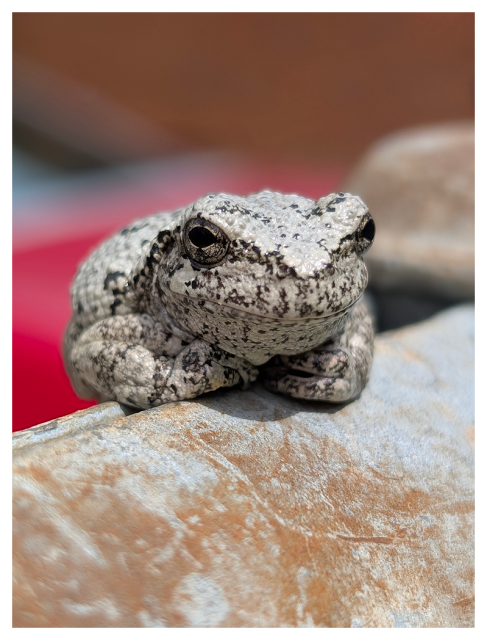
248,509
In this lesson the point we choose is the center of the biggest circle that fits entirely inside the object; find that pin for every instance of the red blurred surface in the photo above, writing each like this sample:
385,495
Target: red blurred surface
42,272
41,312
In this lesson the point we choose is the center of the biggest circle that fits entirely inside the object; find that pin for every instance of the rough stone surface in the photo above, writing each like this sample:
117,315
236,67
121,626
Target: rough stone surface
419,186
252,509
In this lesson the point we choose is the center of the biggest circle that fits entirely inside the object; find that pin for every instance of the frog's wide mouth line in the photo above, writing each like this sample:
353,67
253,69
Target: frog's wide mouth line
243,313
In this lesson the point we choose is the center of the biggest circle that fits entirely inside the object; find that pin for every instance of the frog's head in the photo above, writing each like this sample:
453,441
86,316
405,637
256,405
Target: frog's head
276,270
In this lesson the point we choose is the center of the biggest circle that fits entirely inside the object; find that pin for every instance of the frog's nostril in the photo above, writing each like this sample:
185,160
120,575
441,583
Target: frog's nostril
329,269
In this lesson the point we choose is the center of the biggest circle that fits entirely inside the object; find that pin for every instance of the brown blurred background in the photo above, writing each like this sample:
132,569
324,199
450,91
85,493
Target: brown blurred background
98,88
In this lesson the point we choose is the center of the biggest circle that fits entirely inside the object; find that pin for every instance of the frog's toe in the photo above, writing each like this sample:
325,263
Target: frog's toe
305,385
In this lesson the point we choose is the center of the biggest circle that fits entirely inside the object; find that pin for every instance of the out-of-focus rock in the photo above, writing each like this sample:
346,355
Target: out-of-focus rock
244,508
419,186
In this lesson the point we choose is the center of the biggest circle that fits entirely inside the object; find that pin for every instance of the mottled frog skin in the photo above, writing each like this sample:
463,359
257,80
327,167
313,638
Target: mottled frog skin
212,295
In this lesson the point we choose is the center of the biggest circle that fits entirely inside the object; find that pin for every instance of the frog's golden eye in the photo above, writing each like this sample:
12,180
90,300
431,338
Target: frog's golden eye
364,236
205,243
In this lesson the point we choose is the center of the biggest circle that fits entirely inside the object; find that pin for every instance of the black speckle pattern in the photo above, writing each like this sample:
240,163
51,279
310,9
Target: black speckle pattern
156,319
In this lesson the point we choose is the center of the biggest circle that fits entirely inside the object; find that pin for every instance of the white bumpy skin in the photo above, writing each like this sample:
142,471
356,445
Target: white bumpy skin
182,303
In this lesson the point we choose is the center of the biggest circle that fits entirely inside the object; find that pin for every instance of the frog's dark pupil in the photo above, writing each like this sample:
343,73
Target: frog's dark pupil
201,237
368,232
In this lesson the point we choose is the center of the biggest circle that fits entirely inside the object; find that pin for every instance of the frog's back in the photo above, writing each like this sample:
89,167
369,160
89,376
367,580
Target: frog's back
103,285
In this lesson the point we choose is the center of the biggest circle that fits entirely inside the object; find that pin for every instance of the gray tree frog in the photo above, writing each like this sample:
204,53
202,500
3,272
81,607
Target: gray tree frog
179,304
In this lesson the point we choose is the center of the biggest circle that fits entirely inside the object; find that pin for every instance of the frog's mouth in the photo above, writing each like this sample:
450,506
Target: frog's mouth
273,318
238,312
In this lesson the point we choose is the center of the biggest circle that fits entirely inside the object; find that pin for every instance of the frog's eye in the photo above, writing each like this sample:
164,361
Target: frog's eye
205,243
364,236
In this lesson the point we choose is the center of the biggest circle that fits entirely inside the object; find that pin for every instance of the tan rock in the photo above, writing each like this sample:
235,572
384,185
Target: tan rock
419,186
248,509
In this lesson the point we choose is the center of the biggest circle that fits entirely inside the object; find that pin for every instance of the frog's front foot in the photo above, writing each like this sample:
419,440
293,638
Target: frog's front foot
315,375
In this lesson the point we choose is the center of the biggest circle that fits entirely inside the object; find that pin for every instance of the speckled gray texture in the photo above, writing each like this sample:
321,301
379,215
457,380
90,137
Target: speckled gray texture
180,304
250,509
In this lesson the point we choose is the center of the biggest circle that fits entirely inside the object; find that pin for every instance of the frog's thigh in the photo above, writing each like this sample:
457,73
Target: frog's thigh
134,329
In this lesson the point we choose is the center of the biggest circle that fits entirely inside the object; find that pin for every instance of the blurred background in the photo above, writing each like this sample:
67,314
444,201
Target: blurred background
119,115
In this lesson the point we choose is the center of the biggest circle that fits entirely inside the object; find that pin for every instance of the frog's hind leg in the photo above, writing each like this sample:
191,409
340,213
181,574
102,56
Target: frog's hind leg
336,371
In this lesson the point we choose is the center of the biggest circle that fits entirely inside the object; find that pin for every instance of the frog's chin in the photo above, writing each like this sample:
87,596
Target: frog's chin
256,338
